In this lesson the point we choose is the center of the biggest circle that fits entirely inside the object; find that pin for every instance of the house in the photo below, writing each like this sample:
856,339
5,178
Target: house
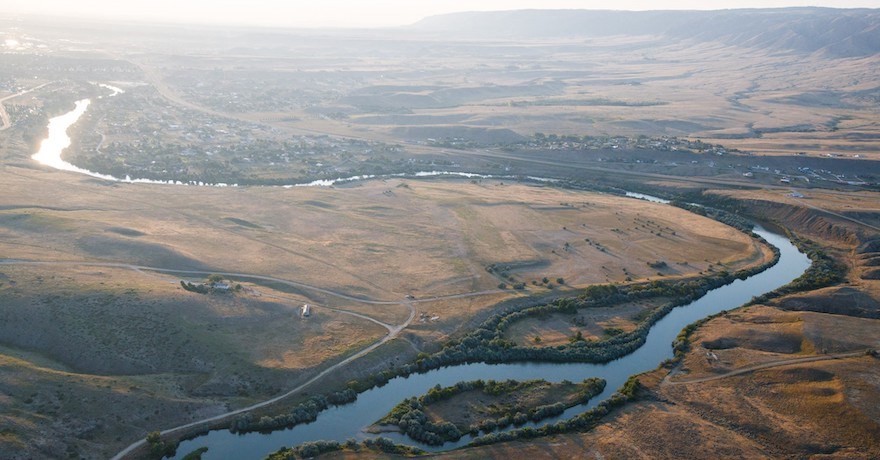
305,311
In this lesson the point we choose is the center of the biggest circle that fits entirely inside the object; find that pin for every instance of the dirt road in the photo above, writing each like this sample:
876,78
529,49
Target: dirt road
745,370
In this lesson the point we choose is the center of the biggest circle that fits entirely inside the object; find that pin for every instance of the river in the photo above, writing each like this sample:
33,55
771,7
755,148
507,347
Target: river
348,421
53,146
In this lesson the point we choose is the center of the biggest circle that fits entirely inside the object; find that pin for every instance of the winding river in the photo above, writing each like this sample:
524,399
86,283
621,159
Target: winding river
348,421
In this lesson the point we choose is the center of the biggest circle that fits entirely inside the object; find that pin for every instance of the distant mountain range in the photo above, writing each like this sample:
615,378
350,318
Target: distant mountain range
831,32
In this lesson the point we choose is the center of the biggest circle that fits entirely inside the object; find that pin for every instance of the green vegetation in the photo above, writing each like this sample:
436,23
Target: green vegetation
197,288
213,284
410,415
411,419
583,422
315,448
158,447
823,272
305,412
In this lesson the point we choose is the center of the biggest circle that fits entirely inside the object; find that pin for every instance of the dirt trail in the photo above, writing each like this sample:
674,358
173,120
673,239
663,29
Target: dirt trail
392,334
310,287
745,370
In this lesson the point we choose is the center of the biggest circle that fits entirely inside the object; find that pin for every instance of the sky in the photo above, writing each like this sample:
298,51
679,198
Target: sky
355,13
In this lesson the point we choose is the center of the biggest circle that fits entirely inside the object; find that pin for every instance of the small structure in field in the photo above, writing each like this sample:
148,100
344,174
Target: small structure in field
305,311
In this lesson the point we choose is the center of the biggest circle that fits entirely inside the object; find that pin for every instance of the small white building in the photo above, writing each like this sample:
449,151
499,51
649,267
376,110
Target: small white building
305,311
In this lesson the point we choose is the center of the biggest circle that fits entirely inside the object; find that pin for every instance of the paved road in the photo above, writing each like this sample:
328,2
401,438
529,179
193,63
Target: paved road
851,219
4,116
745,370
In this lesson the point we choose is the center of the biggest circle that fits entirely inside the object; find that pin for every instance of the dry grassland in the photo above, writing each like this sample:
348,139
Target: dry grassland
196,354
376,239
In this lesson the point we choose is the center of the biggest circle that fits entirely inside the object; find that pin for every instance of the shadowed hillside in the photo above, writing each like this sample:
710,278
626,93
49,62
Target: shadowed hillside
834,32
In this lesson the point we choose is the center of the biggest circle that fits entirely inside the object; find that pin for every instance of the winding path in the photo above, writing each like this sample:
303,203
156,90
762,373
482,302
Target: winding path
756,367
391,335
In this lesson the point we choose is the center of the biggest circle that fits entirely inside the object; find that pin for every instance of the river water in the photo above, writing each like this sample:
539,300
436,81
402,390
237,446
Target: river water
348,421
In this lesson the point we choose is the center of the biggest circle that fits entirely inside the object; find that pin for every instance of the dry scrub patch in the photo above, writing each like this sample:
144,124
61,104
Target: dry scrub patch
800,409
840,220
47,412
117,321
852,202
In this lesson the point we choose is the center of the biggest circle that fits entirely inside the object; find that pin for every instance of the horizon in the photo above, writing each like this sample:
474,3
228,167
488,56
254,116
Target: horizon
381,14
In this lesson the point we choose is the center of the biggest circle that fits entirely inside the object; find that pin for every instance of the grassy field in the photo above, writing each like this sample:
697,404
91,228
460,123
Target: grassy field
327,237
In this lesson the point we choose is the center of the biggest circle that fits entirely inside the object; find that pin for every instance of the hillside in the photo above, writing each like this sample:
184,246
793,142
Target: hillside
832,32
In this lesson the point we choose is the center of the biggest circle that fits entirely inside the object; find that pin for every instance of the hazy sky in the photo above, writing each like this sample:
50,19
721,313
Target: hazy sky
356,13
